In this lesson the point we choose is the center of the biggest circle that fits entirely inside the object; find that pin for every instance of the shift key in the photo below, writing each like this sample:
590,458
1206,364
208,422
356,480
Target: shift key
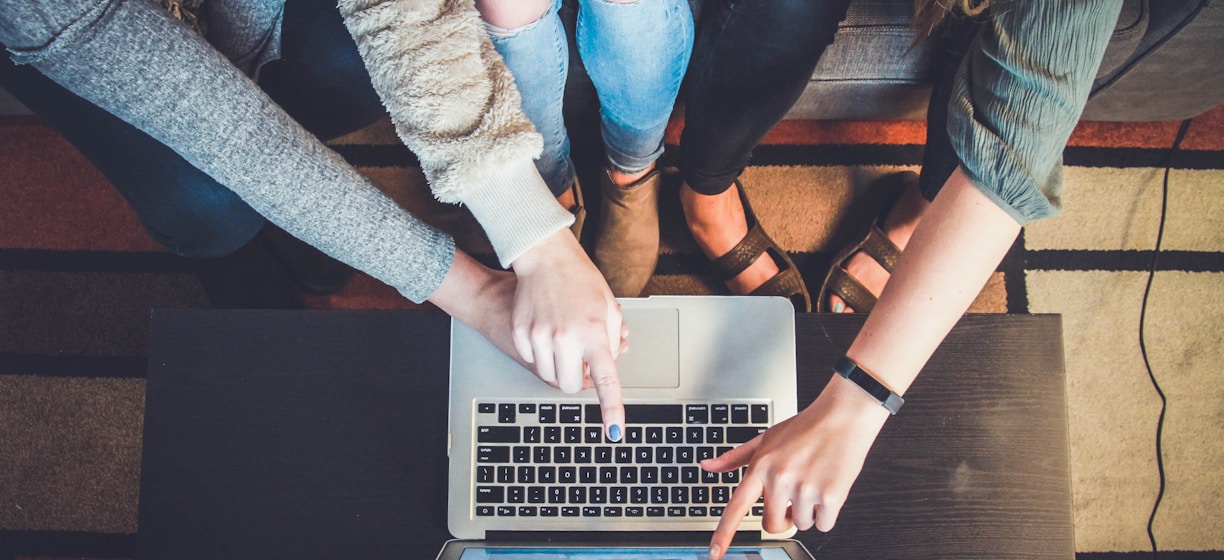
741,434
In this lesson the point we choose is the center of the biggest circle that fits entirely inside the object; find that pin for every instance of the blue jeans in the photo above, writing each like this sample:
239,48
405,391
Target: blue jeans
321,82
636,55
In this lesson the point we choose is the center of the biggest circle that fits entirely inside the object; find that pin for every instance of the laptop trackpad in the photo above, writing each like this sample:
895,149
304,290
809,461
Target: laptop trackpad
653,359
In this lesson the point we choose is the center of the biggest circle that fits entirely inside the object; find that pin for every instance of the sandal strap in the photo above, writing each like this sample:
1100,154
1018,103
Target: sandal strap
851,290
881,248
733,262
785,283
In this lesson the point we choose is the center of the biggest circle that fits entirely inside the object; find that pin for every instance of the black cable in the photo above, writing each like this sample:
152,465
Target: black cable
1164,207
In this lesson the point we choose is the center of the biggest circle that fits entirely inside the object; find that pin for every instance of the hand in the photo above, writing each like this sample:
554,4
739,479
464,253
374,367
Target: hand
803,466
567,323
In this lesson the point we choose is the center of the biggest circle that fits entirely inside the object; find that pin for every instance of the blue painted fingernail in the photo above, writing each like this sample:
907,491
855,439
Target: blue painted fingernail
839,307
614,432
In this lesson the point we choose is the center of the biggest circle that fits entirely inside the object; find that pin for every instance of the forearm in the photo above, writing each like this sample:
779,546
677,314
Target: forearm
147,69
454,104
962,238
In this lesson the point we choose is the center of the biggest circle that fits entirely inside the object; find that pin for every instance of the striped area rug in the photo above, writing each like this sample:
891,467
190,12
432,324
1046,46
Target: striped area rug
78,277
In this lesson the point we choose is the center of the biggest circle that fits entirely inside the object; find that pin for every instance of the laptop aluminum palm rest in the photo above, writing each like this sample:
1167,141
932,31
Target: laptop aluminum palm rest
722,368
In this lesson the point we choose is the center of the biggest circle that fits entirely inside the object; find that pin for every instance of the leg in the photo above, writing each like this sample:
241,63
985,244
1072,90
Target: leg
636,53
938,163
751,61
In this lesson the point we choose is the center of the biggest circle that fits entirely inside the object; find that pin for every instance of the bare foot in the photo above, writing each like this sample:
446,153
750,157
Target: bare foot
718,224
899,226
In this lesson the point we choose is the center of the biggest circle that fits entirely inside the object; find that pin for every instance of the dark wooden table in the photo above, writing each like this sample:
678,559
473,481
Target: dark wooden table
322,434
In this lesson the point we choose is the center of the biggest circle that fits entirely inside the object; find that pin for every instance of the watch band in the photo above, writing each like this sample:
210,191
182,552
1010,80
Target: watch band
891,401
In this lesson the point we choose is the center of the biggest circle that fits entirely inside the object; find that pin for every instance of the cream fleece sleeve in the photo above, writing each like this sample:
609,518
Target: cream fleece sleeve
454,104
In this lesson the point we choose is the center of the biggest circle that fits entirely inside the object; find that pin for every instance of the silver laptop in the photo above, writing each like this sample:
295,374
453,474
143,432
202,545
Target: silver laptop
529,463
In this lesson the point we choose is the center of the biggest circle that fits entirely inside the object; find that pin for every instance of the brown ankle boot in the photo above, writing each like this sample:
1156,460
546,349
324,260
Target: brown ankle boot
627,240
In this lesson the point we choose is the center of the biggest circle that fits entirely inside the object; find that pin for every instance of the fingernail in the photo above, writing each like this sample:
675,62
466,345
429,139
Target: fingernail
839,307
714,550
614,432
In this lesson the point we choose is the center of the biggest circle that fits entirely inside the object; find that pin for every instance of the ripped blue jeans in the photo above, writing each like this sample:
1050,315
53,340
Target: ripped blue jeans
636,55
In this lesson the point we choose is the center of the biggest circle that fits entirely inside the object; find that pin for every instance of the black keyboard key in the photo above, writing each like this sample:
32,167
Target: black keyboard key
654,511
740,434
701,495
532,434
674,434
731,477
708,477
484,511
592,434
527,408
569,511
654,414
587,475
486,408
603,455
549,511
490,494
516,494
612,511
633,434
493,454
527,511
623,454
704,453
505,413
556,494
716,511
714,434
567,475
505,475
593,414
639,495
543,455
720,494
583,455
649,475
522,454
607,475
618,494
685,455
719,414
569,414
694,434
536,495
591,511
562,454
547,475
697,511
739,414
598,495
505,511
680,495
548,413
758,511
697,414
654,435
689,475
676,511
760,414
628,475
658,494
484,473
573,434
634,511
577,495
644,454
665,455
552,434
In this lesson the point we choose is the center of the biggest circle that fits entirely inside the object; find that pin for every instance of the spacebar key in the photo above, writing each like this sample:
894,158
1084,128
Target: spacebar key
654,414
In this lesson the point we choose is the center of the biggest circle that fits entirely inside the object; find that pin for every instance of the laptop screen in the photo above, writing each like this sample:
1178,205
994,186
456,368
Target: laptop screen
649,553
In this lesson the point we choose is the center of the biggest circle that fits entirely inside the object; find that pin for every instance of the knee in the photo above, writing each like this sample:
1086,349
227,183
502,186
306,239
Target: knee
510,15
208,224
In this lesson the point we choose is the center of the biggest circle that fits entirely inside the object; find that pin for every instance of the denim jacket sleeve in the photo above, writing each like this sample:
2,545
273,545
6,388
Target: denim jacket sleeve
1019,93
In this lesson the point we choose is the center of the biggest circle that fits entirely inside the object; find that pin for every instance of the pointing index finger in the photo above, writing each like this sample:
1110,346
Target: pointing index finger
742,499
608,388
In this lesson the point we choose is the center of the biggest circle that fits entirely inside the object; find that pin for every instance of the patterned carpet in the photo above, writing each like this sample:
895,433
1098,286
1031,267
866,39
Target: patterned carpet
78,277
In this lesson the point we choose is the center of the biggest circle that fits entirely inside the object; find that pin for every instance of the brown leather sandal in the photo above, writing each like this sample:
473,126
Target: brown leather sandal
872,241
786,283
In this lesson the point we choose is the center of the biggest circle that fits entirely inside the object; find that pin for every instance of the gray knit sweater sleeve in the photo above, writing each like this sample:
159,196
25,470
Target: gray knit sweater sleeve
1019,94
132,59
454,104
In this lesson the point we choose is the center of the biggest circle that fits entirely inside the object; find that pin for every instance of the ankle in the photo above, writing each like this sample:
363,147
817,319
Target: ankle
622,179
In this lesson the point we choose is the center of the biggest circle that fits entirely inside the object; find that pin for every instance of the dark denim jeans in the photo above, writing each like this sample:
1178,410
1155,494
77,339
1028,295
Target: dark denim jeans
320,81
751,61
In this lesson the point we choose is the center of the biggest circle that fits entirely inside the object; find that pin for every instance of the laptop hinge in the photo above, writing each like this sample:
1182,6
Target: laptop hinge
698,538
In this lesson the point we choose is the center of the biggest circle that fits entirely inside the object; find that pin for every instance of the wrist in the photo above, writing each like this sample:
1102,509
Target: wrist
554,248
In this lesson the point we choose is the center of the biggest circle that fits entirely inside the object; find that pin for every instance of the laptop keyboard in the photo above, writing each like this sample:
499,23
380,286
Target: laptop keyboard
551,459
